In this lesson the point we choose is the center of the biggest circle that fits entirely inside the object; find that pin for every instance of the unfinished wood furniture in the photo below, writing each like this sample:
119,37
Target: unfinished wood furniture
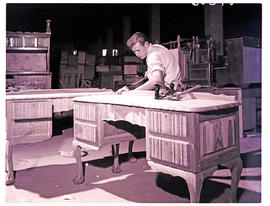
242,68
28,60
189,138
29,116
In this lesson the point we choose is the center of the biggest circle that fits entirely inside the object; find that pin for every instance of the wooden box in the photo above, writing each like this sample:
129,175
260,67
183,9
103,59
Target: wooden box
90,59
102,68
89,72
63,70
131,59
64,57
81,57
115,68
72,60
108,79
131,68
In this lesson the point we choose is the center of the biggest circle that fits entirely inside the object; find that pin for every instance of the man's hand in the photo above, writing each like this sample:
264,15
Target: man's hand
121,90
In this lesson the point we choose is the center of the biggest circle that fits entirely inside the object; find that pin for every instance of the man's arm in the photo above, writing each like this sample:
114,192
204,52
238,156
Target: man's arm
156,78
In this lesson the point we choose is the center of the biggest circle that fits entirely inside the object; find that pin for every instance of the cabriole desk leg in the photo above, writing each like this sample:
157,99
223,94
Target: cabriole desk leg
195,182
79,178
9,164
236,167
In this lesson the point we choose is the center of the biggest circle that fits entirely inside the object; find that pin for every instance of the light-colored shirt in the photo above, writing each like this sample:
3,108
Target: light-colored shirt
160,58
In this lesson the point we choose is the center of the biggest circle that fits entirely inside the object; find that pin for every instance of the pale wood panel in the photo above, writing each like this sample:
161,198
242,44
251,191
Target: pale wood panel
217,134
175,124
85,111
31,129
31,110
26,62
84,131
168,150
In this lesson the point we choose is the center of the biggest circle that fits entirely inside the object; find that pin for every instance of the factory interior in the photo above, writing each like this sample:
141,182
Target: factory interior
64,63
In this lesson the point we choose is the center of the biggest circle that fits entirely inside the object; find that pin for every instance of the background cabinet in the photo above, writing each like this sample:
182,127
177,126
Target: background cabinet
28,60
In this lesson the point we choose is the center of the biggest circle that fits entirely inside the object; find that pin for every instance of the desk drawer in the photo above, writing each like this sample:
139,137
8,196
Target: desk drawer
174,124
31,110
29,121
170,152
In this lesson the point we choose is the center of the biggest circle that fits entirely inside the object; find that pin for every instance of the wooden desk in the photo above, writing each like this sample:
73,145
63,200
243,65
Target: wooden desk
29,115
187,138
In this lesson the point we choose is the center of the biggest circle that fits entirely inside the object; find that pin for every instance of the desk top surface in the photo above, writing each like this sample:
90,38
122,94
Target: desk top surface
193,102
55,93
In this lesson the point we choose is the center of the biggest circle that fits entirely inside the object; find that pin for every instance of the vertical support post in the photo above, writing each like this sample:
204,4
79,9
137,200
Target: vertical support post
155,23
126,32
213,25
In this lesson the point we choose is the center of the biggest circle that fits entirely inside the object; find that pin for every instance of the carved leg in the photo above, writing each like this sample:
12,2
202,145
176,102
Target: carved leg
236,167
115,153
79,178
131,157
9,164
194,182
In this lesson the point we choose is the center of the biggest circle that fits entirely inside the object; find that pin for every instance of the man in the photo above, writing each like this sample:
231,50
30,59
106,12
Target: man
162,65
162,68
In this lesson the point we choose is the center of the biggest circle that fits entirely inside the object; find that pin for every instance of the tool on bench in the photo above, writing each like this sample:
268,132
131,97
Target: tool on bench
162,92
137,83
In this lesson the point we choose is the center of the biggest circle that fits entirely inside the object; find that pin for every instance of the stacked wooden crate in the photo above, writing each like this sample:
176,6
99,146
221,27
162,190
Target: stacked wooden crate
76,70
134,69
110,75
86,69
72,70
90,63
63,75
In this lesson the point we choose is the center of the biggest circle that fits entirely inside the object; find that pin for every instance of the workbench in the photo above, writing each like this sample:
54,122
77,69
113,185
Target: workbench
29,116
189,138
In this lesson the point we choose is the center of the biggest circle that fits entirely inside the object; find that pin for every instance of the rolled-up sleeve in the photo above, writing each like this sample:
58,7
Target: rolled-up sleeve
154,62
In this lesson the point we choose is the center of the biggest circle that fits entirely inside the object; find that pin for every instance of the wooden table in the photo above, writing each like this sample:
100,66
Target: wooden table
187,138
29,115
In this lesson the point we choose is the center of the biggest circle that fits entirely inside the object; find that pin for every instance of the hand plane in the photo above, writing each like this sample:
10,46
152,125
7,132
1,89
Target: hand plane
170,94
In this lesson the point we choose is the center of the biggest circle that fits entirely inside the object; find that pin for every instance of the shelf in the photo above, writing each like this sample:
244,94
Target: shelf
26,49
19,73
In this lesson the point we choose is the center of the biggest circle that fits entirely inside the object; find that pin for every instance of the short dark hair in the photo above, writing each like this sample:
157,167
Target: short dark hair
137,37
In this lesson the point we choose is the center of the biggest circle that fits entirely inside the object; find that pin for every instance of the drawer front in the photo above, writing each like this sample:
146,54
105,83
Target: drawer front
169,123
86,133
29,121
217,134
31,110
85,111
171,152
86,123
32,129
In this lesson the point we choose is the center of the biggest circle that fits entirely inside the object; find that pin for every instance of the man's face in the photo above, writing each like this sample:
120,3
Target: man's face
140,51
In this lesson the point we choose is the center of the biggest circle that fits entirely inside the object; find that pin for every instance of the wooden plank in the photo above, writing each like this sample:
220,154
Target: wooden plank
64,57
81,57
90,59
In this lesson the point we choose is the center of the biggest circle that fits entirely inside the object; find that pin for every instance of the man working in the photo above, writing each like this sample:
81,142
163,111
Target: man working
162,69
162,65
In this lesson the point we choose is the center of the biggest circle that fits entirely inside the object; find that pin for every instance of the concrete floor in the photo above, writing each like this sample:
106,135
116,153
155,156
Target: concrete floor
44,173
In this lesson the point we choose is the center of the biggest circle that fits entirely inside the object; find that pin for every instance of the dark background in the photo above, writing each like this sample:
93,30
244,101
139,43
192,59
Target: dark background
82,24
